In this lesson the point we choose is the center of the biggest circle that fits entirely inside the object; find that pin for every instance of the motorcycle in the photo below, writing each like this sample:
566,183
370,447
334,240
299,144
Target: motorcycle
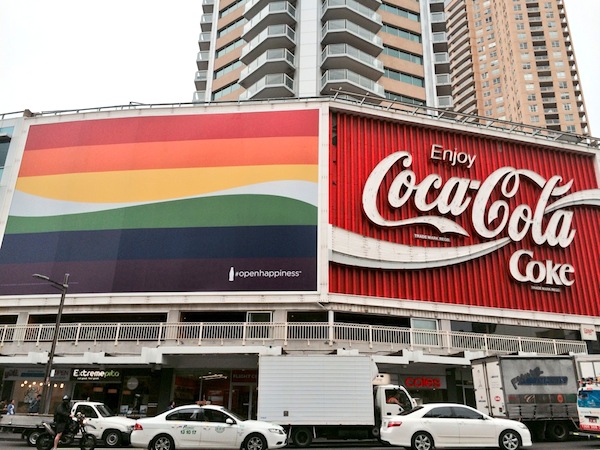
74,431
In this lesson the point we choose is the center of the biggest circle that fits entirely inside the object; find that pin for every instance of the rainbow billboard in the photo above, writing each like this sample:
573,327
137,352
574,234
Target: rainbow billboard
194,203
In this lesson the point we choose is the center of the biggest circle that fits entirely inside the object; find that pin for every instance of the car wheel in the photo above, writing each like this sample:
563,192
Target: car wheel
422,441
112,438
32,437
162,442
88,442
302,437
557,431
509,440
44,441
254,442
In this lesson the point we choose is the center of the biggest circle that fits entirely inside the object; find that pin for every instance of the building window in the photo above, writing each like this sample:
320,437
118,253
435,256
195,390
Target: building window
232,46
519,16
404,77
225,91
228,68
401,54
487,103
564,96
569,117
528,76
561,74
414,37
535,119
571,129
563,85
523,45
526,66
555,44
400,12
531,97
533,108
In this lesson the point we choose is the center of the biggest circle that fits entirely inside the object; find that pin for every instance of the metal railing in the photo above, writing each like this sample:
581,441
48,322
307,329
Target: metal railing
375,337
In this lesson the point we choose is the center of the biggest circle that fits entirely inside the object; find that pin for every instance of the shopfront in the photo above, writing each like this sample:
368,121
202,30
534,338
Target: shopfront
130,392
24,384
235,389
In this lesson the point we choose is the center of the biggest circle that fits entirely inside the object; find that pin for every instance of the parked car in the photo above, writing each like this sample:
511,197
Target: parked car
207,426
443,425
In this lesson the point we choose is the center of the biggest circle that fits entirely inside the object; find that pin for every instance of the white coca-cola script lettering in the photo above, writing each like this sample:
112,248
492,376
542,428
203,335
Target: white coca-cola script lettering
492,217
456,194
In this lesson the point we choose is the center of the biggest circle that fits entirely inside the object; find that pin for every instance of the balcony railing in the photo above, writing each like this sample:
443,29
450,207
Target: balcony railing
22,338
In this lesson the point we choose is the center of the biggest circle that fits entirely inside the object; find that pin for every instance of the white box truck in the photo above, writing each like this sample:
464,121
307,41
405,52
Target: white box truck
540,391
326,396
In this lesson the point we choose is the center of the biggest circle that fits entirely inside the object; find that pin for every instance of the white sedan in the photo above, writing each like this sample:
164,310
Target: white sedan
443,425
208,426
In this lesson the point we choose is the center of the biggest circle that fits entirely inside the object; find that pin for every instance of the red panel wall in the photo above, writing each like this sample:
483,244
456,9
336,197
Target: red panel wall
363,142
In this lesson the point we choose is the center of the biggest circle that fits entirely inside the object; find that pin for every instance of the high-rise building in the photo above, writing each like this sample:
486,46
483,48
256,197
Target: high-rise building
508,59
514,60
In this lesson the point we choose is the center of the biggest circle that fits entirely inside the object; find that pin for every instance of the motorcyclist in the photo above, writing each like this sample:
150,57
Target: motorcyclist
62,415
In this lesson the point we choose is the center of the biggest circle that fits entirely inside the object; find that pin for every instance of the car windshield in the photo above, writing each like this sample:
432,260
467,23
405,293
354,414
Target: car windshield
104,411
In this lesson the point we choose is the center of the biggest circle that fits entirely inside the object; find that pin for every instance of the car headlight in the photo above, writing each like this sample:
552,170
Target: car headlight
276,430
522,426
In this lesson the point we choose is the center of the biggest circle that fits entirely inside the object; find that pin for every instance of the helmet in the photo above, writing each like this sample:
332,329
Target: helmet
66,398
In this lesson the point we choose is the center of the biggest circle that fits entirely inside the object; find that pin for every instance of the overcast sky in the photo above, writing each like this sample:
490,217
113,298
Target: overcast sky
69,54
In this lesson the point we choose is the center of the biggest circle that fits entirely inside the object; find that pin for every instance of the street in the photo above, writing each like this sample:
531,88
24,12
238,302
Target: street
9,441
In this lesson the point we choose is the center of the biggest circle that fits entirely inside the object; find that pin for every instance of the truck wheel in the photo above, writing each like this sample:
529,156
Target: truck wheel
422,441
112,438
254,442
32,437
302,437
557,431
44,441
509,440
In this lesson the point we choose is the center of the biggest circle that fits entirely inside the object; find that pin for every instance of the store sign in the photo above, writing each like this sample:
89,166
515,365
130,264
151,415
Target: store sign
34,374
95,375
438,202
424,382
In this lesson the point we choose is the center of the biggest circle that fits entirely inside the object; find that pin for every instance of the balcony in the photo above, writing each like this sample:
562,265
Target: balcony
344,56
275,85
206,22
274,60
200,80
208,6
128,339
274,36
275,13
346,80
202,60
336,31
204,41
353,11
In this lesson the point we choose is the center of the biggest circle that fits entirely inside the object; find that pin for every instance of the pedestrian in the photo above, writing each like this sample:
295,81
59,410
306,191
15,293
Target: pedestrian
62,415
11,408
34,406
171,404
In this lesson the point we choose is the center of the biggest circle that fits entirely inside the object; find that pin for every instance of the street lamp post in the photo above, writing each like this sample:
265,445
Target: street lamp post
47,398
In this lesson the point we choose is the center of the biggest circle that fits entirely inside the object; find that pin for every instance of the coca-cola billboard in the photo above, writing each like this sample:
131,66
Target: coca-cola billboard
443,216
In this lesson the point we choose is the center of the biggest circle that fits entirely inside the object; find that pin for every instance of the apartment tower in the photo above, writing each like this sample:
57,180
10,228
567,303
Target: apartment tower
256,49
514,60
455,54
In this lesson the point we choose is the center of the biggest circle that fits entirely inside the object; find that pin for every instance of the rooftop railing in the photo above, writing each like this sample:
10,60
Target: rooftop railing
374,338
396,106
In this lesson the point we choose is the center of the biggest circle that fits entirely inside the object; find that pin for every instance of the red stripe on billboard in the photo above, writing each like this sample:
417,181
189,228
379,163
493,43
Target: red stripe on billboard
174,128
488,280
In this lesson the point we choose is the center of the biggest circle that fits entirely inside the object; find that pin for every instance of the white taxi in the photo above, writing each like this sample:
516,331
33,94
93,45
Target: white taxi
208,426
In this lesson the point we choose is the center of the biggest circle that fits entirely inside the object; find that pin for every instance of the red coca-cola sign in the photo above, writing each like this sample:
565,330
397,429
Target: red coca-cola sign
444,216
